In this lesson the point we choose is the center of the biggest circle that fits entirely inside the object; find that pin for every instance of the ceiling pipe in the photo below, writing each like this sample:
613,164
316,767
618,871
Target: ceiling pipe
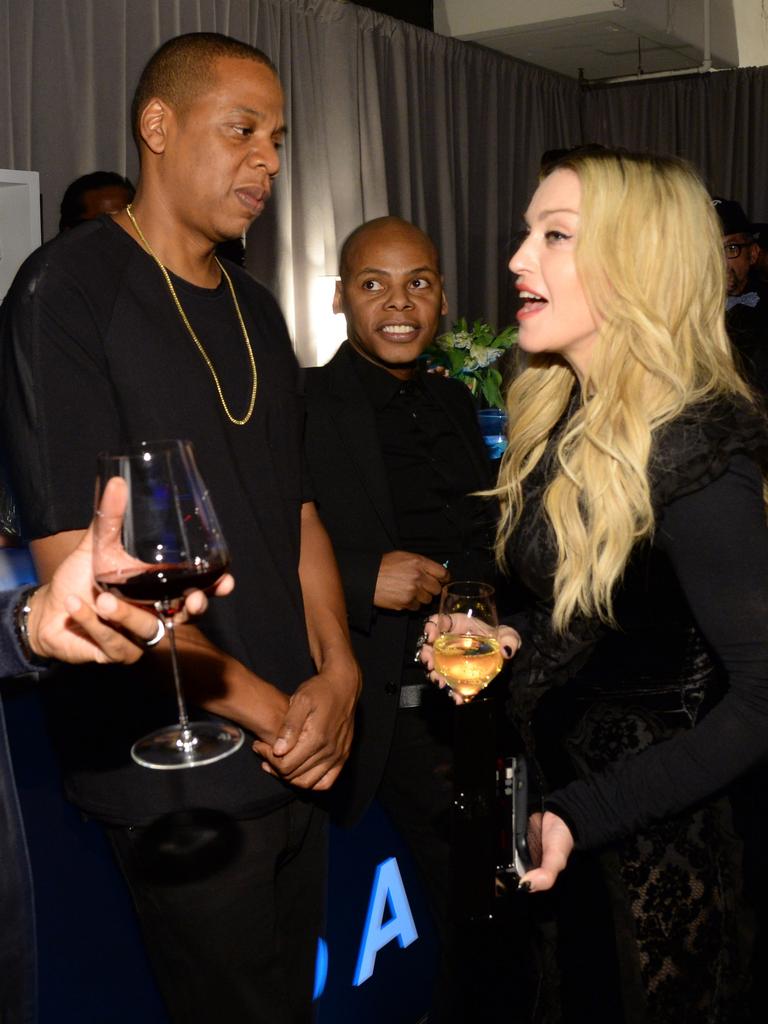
706,64
702,69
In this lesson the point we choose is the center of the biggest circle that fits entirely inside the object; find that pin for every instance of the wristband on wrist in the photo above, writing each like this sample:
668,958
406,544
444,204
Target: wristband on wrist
21,620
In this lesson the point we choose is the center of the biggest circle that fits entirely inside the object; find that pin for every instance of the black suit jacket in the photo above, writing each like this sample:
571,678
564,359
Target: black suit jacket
351,491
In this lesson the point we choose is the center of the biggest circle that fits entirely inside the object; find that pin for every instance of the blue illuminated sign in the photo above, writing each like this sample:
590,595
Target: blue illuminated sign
387,897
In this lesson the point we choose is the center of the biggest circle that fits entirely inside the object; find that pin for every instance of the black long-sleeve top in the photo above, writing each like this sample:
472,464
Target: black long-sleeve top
712,540
717,542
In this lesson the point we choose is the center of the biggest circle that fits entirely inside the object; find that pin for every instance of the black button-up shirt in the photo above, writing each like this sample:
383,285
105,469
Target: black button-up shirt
430,478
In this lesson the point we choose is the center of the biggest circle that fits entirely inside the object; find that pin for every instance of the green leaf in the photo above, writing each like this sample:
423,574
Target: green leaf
456,360
491,389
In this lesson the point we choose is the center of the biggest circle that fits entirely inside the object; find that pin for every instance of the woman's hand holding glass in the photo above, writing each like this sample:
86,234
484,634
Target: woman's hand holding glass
464,647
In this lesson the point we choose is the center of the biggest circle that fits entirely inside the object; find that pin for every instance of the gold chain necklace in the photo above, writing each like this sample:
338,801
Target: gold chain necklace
198,343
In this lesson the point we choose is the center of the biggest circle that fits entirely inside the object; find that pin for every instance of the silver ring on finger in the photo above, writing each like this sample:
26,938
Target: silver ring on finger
419,644
159,634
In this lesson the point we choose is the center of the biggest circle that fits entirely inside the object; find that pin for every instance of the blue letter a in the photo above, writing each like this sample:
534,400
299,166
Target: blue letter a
387,891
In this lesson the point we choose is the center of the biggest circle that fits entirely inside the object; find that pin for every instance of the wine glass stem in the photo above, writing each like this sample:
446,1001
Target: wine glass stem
186,735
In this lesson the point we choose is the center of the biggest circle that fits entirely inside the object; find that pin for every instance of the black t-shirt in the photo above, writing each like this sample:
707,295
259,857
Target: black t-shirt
95,356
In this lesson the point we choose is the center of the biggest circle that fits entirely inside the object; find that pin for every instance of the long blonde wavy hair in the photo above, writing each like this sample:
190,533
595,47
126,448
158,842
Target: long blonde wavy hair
650,259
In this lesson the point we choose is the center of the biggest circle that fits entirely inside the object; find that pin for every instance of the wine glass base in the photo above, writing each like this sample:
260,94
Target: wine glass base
201,743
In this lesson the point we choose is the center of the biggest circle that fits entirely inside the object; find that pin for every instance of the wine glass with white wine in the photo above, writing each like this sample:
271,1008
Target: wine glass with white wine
467,652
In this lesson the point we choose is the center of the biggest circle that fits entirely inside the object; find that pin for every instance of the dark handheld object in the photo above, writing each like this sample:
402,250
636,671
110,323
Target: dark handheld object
496,818
520,840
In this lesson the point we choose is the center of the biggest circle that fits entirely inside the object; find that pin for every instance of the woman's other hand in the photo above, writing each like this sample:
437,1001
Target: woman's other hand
556,846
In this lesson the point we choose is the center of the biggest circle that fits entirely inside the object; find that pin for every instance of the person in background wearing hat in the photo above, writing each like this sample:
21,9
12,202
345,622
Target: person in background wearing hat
741,252
746,305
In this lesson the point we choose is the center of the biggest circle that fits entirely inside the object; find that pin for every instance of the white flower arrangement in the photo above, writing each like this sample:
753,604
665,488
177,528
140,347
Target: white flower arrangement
470,353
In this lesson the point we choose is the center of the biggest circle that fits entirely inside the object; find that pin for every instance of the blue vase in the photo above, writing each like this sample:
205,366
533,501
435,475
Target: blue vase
493,427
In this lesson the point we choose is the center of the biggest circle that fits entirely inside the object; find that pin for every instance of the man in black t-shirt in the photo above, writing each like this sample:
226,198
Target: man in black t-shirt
129,329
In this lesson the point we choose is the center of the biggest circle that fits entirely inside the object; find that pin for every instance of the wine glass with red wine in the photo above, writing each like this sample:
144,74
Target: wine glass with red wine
169,542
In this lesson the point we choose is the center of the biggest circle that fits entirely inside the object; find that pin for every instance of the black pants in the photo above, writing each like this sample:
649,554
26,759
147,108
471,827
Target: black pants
231,936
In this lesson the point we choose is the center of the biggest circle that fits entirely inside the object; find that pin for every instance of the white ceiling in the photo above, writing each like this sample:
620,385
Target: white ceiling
600,49
610,38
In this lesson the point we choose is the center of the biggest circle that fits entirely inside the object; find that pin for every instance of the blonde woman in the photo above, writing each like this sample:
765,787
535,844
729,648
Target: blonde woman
632,507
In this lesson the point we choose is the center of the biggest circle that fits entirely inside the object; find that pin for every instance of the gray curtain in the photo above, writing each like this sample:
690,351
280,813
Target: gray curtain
463,135
717,121
383,117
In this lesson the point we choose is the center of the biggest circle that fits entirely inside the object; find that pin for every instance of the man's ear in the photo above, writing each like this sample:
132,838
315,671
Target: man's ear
153,125
444,304
754,250
337,304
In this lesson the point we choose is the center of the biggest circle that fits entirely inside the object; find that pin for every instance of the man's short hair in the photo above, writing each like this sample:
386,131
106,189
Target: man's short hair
732,217
372,225
182,68
72,207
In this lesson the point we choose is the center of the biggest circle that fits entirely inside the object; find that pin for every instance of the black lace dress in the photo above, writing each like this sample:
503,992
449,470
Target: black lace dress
638,731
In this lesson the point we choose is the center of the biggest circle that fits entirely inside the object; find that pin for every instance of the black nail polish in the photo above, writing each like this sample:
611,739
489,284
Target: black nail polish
524,886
